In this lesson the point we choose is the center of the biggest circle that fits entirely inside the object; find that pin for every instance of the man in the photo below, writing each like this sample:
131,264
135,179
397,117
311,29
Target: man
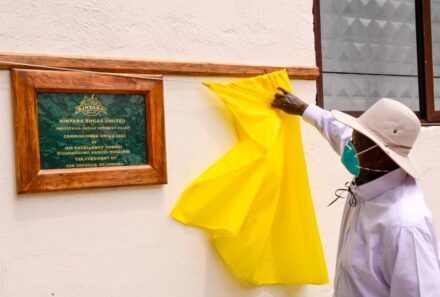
387,244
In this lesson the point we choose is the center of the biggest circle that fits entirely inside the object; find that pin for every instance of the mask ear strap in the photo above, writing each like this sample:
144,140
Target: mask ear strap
366,150
371,169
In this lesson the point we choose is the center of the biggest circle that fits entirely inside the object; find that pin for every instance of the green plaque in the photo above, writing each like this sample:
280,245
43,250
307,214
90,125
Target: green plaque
84,130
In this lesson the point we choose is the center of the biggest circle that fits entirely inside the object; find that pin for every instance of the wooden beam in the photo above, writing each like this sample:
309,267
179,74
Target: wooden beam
7,61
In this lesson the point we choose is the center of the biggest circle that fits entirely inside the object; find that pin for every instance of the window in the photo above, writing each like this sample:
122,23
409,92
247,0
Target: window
369,49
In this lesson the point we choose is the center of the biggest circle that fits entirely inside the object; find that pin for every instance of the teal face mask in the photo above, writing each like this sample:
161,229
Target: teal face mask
350,160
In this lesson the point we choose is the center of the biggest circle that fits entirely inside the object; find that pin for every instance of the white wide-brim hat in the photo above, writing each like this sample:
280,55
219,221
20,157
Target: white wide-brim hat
392,126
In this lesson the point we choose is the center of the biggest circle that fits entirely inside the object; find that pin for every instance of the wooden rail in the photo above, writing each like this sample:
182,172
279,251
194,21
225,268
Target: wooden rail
10,60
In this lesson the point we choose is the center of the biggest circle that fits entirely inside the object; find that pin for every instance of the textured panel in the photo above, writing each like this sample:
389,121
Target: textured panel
435,28
437,93
368,37
358,92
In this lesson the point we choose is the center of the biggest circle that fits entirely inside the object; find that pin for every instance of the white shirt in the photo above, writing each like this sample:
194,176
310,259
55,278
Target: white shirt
387,243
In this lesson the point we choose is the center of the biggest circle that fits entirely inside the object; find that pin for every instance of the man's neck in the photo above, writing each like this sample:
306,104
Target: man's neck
367,176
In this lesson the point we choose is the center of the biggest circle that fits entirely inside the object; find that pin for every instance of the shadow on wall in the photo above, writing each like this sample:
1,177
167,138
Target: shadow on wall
218,277
87,202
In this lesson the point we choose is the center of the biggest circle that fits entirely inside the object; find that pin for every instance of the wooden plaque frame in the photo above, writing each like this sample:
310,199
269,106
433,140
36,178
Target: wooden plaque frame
31,178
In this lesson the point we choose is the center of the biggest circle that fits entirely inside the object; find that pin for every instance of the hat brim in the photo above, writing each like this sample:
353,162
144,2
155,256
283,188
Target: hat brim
407,163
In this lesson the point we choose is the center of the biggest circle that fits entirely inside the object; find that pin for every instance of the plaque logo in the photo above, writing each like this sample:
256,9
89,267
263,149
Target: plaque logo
91,106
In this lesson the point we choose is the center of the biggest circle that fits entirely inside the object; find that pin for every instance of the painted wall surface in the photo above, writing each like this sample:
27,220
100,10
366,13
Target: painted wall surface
121,242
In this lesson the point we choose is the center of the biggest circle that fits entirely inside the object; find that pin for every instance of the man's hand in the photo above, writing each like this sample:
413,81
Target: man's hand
289,103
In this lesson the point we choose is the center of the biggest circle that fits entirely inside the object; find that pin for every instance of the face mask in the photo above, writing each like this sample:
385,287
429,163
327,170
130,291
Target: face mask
350,160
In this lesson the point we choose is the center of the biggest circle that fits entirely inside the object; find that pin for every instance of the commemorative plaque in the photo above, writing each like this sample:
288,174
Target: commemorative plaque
91,130
77,130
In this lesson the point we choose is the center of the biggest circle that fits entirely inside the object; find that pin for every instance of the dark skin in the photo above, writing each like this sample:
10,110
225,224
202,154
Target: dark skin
374,158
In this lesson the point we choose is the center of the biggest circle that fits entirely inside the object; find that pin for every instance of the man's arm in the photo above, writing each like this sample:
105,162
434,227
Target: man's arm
336,133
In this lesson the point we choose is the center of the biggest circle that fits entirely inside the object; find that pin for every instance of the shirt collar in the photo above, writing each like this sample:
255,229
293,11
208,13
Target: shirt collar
380,185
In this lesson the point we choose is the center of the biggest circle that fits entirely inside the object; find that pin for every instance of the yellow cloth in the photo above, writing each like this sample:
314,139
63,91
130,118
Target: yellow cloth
255,201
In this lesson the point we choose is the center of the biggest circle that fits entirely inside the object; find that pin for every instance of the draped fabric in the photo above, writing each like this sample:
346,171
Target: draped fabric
255,201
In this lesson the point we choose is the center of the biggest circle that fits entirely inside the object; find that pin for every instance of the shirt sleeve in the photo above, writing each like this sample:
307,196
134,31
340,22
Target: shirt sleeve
414,265
336,133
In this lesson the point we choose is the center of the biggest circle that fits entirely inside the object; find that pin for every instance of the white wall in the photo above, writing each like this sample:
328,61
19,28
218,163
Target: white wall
121,242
